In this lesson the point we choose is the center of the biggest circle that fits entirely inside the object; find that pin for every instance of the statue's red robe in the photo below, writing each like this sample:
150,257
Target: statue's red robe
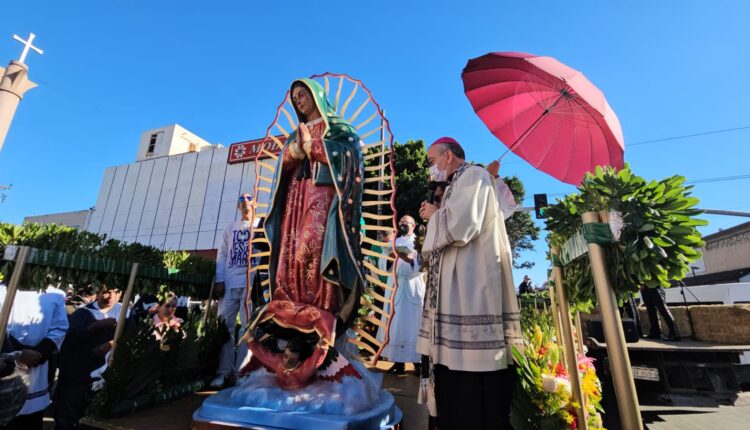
302,229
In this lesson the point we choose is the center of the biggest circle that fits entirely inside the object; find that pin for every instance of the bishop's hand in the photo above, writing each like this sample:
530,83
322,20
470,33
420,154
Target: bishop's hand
494,168
427,210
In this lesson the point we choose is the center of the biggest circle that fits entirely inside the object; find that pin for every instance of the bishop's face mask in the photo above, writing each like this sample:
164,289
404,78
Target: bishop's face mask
437,174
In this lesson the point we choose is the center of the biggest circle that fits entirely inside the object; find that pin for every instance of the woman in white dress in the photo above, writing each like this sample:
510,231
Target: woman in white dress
402,345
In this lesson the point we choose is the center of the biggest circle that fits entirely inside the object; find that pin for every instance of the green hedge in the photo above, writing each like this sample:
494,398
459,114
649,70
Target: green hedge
66,256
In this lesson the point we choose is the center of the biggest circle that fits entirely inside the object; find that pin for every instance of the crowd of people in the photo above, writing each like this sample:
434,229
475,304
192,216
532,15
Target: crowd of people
58,343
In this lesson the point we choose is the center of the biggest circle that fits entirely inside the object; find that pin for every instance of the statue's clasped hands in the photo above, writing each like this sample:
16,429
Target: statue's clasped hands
305,138
302,145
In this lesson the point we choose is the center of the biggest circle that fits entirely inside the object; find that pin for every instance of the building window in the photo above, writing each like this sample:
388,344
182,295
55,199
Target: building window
151,145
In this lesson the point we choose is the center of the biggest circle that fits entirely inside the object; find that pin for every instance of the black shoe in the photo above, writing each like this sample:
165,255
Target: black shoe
654,336
396,369
671,338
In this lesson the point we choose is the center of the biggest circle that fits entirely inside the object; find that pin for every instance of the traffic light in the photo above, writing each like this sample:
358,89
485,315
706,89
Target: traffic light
540,204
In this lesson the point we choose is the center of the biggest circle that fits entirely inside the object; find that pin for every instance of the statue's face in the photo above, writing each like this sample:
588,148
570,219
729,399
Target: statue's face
303,101
290,360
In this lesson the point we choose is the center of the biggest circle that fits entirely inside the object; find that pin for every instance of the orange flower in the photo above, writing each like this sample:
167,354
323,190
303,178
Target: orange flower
560,370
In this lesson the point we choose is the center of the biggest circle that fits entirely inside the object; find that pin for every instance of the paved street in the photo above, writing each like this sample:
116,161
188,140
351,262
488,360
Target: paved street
682,418
176,415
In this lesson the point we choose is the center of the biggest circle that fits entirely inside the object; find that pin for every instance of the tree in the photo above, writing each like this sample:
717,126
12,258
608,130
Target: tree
412,179
521,228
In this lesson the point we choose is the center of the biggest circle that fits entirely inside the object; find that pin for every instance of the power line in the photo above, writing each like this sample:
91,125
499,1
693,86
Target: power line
705,133
666,139
720,179
694,181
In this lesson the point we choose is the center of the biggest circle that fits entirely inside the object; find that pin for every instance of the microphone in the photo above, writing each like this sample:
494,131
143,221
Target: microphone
432,187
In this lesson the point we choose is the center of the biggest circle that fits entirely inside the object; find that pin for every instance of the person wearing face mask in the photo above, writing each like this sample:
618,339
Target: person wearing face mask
470,318
407,302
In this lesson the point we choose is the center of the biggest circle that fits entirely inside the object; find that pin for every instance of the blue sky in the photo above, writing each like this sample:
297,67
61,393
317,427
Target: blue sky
114,69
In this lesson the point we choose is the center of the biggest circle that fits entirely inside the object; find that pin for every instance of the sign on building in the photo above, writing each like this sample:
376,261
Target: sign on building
242,152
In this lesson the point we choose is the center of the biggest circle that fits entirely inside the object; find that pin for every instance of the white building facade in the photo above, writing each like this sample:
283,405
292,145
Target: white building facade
180,194
75,219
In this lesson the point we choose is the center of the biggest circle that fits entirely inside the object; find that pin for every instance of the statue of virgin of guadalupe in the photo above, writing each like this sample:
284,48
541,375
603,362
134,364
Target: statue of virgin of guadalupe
313,227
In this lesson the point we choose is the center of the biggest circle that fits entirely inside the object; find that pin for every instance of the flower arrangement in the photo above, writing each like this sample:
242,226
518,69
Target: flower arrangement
543,399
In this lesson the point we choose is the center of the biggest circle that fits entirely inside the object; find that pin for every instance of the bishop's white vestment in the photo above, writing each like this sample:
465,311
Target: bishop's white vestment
470,318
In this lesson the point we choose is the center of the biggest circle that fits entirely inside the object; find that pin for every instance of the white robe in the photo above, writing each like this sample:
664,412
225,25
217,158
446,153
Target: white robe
402,344
476,316
35,317
505,198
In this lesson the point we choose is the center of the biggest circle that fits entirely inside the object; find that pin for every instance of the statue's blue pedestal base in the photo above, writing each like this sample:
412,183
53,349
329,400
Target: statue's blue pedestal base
218,413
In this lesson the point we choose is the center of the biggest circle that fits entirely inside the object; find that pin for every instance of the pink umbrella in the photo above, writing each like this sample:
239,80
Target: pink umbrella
547,113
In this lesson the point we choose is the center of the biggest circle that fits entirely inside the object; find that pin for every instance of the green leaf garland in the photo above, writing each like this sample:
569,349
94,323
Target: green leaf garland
657,244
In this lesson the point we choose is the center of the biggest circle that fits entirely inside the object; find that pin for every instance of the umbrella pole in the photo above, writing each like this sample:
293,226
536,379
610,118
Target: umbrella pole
622,374
532,127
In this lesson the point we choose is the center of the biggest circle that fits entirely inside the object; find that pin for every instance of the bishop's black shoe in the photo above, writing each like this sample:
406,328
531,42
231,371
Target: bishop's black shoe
396,369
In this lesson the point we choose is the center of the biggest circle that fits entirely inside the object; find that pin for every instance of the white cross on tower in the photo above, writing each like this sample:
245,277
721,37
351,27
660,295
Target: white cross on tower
26,46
